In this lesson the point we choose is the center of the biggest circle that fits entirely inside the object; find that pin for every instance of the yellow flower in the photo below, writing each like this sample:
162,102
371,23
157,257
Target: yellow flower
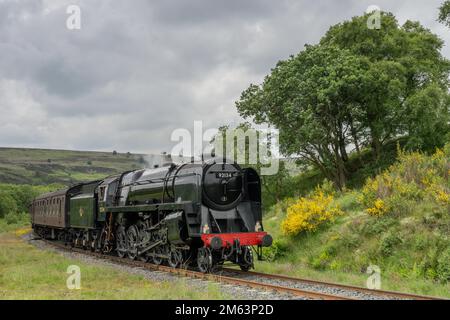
378,209
22,231
309,212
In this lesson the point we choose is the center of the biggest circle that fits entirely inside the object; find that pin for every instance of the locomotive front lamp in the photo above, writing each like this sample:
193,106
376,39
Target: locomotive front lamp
205,228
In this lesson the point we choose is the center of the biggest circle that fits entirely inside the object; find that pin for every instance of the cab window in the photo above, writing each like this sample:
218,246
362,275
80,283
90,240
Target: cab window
102,193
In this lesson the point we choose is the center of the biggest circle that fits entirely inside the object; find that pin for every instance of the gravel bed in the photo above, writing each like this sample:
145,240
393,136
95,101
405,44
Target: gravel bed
234,291
360,295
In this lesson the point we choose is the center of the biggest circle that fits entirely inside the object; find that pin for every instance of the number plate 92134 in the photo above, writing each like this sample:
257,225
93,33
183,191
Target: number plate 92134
224,175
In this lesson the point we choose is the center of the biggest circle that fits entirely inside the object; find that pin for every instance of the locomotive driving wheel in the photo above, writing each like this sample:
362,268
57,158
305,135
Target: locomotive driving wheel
143,257
157,251
99,241
102,243
94,241
175,258
132,241
144,237
204,260
121,242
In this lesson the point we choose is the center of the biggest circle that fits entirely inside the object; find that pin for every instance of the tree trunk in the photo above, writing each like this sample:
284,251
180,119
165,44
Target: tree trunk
355,138
340,167
344,154
375,143
376,147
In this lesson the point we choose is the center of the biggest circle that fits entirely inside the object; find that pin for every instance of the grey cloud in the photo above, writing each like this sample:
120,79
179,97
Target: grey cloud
139,69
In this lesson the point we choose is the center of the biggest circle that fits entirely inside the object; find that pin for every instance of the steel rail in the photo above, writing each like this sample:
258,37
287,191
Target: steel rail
204,276
376,292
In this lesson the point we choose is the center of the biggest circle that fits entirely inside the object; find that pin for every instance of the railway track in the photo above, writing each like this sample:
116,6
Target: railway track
354,292
295,287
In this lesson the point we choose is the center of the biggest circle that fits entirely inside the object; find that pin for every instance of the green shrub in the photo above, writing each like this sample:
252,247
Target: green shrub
11,218
348,201
15,199
443,266
7,204
17,218
379,226
350,241
321,261
429,263
421,242
278,250
388,243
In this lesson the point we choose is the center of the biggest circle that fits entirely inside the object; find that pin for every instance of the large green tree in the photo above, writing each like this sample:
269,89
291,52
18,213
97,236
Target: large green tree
357,87
444,13
310,98
427,118
403,60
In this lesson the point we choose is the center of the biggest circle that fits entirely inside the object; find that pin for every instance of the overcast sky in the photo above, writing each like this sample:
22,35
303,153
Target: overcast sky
137,70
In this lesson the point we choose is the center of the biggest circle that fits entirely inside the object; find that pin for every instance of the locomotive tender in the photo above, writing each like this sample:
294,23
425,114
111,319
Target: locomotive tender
193,214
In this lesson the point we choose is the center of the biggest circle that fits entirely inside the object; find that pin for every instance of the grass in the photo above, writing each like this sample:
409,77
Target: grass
30,273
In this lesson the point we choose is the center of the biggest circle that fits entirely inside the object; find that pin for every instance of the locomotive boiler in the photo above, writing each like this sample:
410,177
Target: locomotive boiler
194,214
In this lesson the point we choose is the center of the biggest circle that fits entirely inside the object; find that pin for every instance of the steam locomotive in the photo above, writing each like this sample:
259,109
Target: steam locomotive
193,214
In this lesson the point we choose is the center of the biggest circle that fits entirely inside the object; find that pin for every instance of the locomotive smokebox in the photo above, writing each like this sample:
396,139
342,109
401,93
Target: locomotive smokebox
222,186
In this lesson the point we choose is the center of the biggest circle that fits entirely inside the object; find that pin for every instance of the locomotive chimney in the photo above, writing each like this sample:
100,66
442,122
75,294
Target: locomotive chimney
166,159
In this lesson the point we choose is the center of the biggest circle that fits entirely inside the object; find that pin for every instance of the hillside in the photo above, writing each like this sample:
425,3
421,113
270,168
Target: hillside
397,222
41,166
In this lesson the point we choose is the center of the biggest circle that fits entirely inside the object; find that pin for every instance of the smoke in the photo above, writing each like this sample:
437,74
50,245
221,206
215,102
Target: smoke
163,159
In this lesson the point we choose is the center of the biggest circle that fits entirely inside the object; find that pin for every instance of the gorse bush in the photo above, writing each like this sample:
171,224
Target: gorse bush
415,177
308,213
